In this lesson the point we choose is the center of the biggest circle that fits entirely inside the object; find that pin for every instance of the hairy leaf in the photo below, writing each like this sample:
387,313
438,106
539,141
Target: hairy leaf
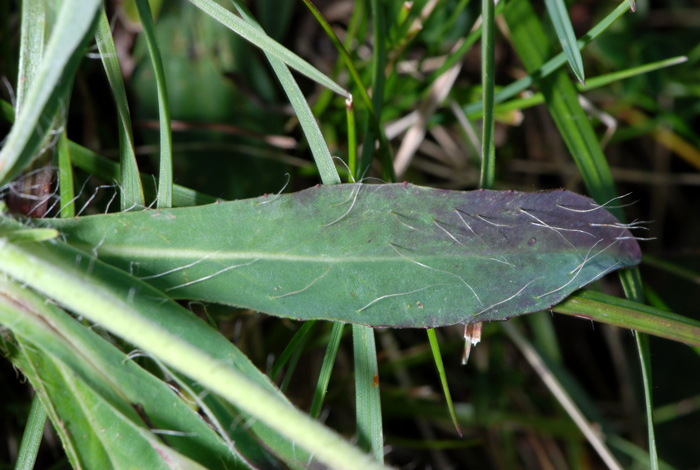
380,255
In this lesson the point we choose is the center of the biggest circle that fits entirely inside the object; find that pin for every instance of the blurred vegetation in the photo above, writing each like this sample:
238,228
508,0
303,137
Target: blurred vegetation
235,135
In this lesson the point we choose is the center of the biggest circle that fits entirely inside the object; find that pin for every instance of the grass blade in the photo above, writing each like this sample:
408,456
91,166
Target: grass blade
326,368
367,401
65,178
645,362
160,327
317,144
553,64
33,433
565,32
106,169
61,58
435,348
129,181
31,46
373,132
488,152
593,83
165,169
258,38
578,134
631,315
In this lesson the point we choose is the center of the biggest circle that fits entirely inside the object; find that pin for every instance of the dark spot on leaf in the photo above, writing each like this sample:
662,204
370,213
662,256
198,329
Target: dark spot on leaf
375,381
532,241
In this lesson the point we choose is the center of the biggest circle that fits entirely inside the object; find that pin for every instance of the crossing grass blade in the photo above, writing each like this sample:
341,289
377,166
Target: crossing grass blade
553,64
130,183
319,149
565,33
263,41
164,197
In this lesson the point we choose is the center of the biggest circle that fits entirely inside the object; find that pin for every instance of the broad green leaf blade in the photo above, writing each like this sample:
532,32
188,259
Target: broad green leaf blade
62,55
567,38
380,255
130,182
160,327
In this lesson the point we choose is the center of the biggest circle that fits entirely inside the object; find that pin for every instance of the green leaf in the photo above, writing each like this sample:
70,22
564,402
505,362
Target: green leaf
379,255
326,368
165,167
129,182
162,328
317,144
53,79
260,39
632,315
93,392
488,146
370,435
567,38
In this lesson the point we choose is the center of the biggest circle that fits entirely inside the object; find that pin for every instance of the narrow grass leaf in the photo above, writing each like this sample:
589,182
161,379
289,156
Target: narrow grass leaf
565,32
645,362
592,84
65,177
259,39
631,315
165,163
32,436
326,369
129,181
488,152
435,348
32,39
553,64
375,133
317,144
112,376
370,435
297,342
352,140
53,77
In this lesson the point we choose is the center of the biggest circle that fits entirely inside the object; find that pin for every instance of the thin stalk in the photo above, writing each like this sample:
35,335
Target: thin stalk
31,439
